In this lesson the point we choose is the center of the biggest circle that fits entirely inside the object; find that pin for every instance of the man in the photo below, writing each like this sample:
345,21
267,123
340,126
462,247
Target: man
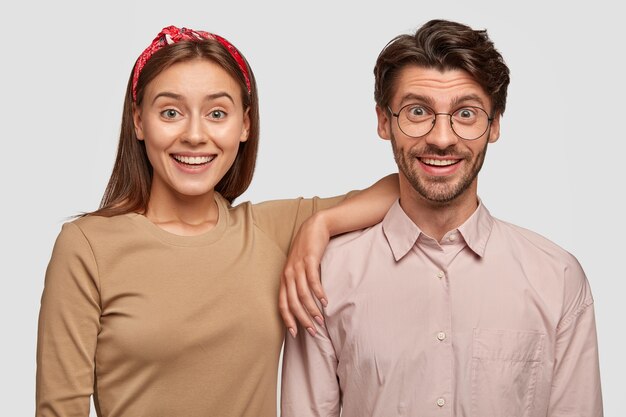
441,309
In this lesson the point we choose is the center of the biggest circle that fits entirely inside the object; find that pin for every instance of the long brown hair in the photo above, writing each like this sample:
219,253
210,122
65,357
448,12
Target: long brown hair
128,189
444,45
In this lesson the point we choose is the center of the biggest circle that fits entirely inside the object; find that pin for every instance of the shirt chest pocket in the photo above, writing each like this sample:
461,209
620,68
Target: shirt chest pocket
505,367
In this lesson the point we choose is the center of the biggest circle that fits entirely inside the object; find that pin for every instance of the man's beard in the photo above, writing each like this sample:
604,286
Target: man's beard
437,189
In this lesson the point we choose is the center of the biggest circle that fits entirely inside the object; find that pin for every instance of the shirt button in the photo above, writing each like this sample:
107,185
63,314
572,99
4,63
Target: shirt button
440,274
452,238
441,335
441,402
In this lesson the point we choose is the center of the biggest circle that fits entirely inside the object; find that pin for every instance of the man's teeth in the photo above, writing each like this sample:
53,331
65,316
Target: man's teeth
193,160
439,162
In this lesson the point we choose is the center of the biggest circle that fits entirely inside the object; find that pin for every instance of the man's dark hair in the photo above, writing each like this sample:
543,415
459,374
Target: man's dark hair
444,45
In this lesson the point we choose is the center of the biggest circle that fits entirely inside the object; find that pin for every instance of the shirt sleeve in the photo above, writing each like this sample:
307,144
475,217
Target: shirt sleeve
310,387
69,322
281,219
576,388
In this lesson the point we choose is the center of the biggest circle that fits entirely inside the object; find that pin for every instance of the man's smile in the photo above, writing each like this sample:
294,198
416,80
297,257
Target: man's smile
439,162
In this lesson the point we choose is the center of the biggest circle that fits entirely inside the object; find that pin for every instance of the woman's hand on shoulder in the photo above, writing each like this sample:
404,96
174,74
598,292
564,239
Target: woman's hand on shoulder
300,281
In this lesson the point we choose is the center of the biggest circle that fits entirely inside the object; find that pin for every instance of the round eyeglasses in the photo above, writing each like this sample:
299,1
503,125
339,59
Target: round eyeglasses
417,120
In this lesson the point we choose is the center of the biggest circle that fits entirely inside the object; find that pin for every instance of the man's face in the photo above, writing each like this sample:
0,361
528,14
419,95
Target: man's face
439,166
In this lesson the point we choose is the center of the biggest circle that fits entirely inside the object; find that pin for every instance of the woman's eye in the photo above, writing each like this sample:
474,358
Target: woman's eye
217,114
170,113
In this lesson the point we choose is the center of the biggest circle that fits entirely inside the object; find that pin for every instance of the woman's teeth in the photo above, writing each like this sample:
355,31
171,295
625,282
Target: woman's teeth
193,160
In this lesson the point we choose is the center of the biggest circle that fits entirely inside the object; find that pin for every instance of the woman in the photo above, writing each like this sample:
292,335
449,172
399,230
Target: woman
164,301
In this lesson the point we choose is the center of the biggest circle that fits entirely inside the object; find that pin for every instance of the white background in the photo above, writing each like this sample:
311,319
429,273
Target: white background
557,168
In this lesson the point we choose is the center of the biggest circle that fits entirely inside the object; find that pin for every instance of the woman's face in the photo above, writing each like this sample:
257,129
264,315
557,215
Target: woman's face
192,121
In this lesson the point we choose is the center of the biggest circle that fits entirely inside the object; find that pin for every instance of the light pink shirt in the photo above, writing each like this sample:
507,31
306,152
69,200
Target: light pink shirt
493,321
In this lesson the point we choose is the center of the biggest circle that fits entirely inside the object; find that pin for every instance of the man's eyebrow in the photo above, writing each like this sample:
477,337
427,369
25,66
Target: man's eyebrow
469,97
412,97
209,97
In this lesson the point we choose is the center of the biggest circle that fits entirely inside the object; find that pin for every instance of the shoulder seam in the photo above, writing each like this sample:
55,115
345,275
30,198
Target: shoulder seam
257,226
93,256
575,314
260,229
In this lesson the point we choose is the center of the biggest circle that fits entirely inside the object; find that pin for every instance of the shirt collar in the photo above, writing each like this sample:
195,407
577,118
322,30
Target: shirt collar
402,233
477,229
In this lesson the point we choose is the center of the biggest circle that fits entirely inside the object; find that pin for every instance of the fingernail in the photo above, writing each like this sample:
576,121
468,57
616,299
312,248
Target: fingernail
311,331
293,332
319,320
324,302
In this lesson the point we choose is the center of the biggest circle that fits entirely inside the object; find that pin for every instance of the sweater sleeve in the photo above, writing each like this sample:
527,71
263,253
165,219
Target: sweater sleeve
281,219
69,322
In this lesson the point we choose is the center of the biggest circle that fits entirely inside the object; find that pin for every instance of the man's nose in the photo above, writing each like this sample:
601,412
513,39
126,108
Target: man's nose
442,136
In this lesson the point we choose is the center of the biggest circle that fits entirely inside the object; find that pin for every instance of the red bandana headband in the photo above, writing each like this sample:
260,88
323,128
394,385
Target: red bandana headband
171,35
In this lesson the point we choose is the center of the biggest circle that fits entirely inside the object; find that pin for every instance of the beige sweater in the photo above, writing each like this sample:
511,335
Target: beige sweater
154,324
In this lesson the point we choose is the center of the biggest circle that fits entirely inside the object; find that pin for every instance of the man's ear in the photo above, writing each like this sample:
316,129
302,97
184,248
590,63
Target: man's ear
494,130
137,122
384,123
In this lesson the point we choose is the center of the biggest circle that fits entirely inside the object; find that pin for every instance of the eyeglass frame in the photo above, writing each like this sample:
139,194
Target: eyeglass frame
435,114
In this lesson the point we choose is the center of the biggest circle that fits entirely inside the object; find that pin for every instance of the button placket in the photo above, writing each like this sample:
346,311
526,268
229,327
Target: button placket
440,328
